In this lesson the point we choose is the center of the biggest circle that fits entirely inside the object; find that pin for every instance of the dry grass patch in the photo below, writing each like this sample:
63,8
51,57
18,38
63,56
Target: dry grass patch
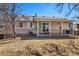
40,47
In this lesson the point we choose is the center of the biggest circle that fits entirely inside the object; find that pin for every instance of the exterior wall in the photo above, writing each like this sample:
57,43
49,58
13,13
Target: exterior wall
65,26
55,27
22,30
8,28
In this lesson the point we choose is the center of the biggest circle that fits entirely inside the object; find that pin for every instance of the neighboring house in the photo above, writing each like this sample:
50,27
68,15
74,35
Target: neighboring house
42,25
76,28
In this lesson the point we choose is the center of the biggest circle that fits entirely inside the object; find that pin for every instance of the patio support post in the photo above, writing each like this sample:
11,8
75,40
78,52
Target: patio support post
61,28
73,27
37,28
50,28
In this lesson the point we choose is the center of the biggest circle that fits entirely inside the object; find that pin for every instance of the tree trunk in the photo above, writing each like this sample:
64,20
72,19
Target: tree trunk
14,34
13,19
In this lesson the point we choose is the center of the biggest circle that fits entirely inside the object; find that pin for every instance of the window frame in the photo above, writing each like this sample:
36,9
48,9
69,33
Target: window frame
30,24
21,24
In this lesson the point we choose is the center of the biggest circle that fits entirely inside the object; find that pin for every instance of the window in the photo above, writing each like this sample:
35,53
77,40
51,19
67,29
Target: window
30,24
45,27
20,24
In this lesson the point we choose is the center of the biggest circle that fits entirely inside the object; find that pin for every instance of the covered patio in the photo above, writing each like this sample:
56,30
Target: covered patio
53,27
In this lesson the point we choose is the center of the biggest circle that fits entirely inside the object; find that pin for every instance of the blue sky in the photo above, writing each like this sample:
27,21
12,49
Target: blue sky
42,9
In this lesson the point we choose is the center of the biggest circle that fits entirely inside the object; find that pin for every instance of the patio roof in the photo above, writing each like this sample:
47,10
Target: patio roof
50,18
41,18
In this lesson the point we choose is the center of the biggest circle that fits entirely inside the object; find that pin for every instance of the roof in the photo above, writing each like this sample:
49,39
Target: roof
50,18
41,18
24,18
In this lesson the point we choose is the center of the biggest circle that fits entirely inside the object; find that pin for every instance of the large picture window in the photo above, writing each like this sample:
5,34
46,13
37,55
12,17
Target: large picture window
20,24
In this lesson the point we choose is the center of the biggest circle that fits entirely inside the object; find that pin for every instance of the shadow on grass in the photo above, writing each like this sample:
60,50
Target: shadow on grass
46,37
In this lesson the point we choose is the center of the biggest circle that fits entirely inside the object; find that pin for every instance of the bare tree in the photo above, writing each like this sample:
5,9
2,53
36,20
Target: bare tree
71,6
10,14
3,12
13,14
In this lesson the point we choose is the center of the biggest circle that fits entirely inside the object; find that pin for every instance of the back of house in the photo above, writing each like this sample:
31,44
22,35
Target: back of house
41,26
